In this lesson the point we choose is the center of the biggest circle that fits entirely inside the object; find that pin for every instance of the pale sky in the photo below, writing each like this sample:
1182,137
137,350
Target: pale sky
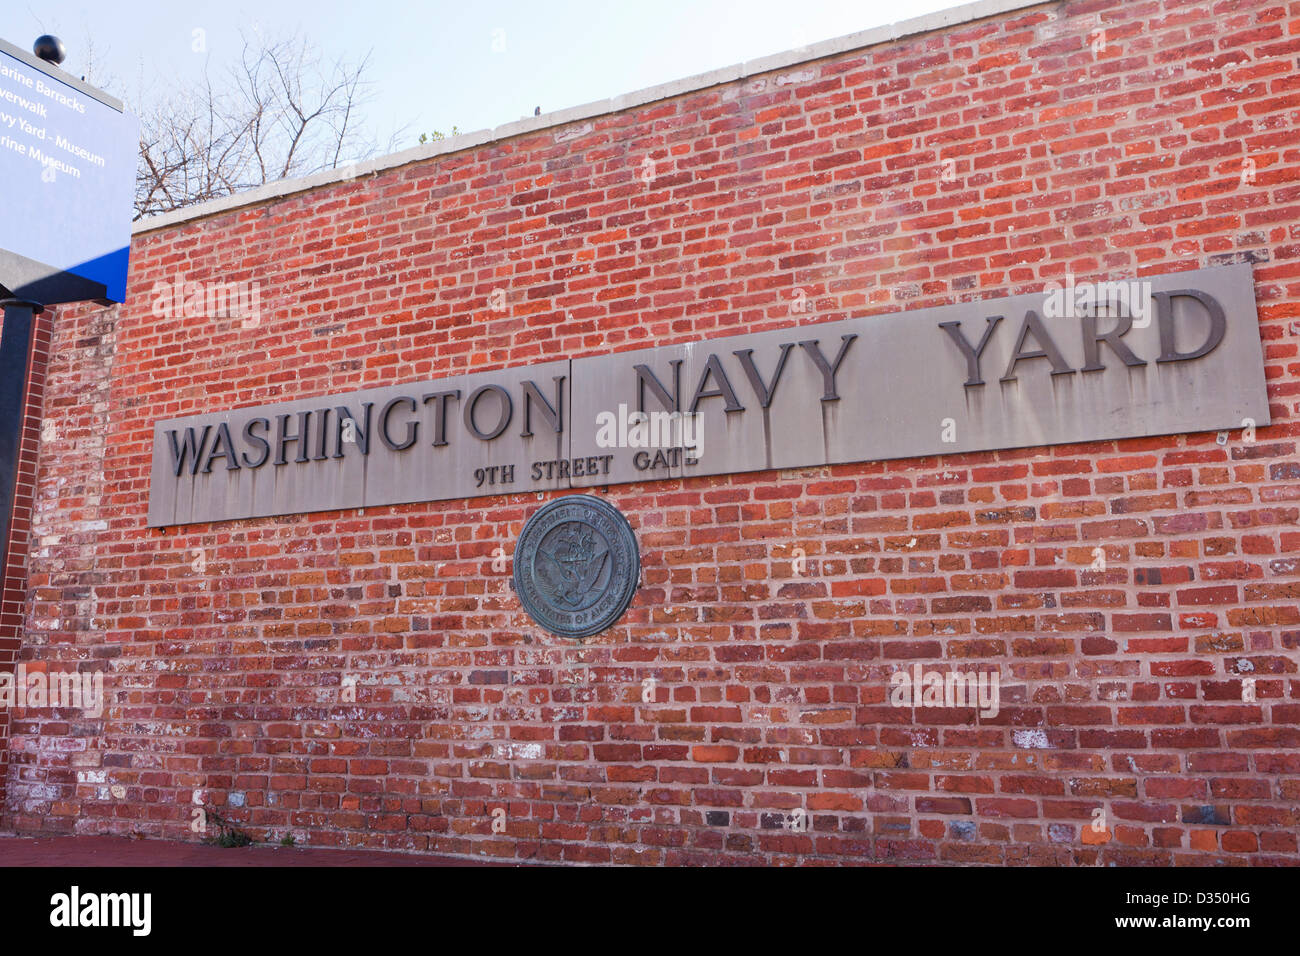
474,64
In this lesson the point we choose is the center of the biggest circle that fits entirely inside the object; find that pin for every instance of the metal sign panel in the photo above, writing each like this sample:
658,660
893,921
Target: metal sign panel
67,161
454,438
1081,362
907,384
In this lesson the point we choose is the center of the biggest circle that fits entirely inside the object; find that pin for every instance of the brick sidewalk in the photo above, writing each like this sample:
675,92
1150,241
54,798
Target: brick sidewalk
122,851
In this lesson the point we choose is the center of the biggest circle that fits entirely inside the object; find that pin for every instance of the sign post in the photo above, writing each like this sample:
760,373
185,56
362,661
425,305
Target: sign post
15,353
67,174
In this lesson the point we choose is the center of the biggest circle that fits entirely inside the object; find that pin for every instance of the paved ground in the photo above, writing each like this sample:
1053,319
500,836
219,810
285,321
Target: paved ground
122,851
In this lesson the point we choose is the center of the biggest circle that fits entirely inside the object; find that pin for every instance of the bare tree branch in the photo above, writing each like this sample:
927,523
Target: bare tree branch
277,113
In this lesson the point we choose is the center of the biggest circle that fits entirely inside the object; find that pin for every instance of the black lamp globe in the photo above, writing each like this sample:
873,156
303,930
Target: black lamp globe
50,49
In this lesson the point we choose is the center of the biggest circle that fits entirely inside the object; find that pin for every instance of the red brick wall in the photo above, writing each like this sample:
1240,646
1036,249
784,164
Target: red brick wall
13,586
1122,688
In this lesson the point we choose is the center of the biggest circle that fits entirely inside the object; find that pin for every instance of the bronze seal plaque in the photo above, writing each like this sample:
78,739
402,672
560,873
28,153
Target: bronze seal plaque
576,565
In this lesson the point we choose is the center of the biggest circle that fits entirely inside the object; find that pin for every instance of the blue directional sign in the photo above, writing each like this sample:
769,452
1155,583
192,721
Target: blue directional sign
67,174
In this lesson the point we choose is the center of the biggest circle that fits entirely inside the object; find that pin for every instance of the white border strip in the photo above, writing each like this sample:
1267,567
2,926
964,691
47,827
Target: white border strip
979,10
